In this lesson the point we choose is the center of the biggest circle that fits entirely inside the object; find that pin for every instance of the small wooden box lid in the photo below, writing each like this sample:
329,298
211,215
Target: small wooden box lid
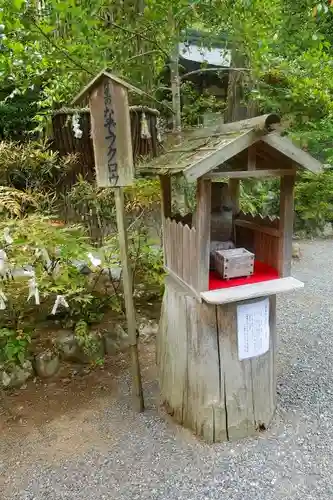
234,253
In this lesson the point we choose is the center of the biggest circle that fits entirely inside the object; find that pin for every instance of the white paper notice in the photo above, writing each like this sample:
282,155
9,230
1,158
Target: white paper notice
253,329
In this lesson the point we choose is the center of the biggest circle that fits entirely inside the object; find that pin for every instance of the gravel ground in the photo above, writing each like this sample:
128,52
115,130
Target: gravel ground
126,456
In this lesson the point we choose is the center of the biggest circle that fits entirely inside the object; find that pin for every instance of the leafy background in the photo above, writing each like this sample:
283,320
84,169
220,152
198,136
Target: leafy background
50,48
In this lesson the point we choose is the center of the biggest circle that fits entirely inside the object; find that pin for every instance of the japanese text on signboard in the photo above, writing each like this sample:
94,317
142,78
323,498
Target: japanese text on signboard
110,135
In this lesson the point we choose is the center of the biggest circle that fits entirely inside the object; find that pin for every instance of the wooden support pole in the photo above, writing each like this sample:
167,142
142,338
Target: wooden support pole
234,195
165,181
234,192
202,225
138,403
286,224
252,157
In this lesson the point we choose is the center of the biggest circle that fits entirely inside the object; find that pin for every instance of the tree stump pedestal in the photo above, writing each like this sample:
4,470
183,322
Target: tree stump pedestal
203,384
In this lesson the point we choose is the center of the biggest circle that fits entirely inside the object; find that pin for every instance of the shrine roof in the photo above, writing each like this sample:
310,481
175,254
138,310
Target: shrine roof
203,150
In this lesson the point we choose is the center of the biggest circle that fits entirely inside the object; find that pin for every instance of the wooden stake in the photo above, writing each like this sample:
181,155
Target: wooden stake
129,304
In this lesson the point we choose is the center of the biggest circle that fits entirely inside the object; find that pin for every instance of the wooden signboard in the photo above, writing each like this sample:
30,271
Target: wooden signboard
111,134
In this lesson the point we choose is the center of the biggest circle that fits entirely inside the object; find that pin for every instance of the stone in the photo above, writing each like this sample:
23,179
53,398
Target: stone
47,364
148,330
16,375
296,251
72,351
115,340
328,230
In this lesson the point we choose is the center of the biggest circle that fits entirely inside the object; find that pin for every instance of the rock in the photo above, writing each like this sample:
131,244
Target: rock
148,330
296,251
15,376
116,340
47,364
328,230
72,350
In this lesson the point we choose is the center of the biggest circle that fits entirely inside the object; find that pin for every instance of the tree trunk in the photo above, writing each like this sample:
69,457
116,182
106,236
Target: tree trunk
203,384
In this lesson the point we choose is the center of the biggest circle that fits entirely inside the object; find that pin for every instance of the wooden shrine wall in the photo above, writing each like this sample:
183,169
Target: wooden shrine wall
180,251
260,235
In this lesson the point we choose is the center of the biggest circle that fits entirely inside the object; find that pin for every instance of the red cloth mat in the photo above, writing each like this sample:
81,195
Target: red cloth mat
262,272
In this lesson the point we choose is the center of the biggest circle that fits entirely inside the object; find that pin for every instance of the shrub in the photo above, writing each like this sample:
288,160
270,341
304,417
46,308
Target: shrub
31,166
50,253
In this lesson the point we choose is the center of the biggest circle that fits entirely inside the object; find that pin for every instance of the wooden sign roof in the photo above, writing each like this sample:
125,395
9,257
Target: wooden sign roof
96,81
203,150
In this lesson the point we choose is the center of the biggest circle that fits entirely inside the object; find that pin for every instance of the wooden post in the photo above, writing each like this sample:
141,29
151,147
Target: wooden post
128,296
252,157
234,189
165,181
202,224
286,224
234,194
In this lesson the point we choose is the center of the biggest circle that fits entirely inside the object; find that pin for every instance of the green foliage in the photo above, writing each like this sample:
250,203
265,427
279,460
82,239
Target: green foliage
314,201
17,113
13,346
260,197
195,104
14,203
33,166
58,276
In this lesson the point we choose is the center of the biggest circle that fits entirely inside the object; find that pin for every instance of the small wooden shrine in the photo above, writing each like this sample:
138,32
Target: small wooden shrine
217,340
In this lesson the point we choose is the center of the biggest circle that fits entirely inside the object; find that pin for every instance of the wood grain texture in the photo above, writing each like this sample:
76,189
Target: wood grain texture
234,193
286,224
125,164
203,384
128,297
252,157
165,183
111,134
244,174
251,291
216,158
234,263
263,374
236,377
289,150
180,251
202,225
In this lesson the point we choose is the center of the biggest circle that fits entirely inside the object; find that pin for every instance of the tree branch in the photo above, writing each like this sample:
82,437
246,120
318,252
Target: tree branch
217,70
56,46
144,37
142,54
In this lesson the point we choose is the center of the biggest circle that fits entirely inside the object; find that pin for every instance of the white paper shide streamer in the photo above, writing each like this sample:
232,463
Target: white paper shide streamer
33,290
3,262
59,301
158,130
7,237
43,253
78,133
145,134
3,300
95,261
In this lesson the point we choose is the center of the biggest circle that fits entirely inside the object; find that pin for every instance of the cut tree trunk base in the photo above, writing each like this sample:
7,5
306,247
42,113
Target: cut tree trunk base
203,384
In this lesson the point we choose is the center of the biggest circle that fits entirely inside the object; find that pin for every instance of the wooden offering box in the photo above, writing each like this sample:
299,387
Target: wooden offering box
234,263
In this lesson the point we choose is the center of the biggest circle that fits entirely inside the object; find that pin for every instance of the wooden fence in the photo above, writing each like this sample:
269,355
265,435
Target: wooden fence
180,251
64,141
260,235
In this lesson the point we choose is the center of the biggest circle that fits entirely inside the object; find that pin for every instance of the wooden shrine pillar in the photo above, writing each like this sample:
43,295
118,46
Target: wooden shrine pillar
286,224
202,225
